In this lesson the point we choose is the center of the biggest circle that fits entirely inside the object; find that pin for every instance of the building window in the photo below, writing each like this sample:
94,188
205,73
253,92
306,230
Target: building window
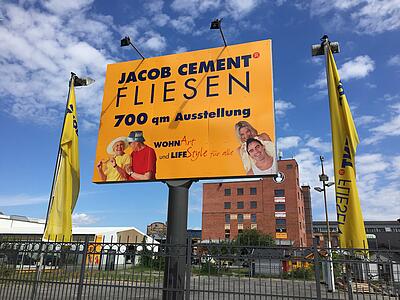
279,193
227,218
253,218
240,191
240,218
280,222
240,231
227,205
240,205
288,167
227,192
253,191
227,233
280,207
253,204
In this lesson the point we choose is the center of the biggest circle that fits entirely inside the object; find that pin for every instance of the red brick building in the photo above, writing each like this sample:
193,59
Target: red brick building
270,205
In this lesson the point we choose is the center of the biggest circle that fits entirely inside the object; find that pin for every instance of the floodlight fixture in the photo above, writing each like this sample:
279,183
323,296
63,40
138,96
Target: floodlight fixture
318,189
126,41
319,49
323,177
329,184
216,24
84,81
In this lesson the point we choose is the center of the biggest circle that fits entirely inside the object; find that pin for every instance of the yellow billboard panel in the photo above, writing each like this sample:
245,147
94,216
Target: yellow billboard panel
281,235
195,115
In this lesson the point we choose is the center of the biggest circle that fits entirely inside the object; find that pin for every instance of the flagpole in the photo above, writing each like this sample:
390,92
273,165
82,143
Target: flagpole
331,274
57,165
56,168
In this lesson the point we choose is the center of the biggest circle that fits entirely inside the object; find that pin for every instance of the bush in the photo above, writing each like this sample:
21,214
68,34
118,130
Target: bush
6,272
208,268
253,237
300,273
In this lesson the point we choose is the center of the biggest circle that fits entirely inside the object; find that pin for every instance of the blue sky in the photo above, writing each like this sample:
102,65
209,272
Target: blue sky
41,42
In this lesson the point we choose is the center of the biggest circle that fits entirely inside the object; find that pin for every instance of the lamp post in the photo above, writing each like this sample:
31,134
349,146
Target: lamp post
126,41
324,179
216,24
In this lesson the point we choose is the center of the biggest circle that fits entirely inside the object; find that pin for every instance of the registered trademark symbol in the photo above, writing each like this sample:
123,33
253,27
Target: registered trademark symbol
256,54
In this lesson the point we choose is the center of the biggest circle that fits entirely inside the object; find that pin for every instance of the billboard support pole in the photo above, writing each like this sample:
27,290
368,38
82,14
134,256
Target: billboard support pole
175,262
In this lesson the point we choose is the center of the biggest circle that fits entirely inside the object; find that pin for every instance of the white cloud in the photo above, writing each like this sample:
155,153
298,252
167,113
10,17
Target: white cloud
319,145
387,129
154,6
280,2
365,120
195,7
180,49
378,186
196,198
66,7
378,16
153,41
183,24
390,128
390,97
83,219
161,19
321,7
22,199
362,16
370,163
288,142
281,106
357,68
394,60
395,173
38,49
240,8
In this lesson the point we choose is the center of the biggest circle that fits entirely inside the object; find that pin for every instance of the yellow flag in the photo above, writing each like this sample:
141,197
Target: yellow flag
344,140
67,182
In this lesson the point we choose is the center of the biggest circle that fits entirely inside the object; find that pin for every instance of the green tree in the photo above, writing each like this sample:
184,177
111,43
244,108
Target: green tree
254,237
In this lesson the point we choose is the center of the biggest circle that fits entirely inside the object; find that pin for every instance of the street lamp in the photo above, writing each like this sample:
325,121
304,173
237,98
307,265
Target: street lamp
216,24
126,41
324,179
84,81
319,49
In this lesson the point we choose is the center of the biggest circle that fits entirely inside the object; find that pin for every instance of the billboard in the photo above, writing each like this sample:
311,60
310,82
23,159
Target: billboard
194,115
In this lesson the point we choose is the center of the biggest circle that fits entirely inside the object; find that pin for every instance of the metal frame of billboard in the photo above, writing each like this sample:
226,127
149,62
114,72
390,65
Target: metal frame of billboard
223,52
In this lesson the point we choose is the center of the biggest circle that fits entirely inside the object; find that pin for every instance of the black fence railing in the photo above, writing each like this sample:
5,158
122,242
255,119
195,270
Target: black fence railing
89,270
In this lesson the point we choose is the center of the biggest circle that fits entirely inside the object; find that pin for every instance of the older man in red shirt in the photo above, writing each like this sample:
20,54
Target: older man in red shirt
143,158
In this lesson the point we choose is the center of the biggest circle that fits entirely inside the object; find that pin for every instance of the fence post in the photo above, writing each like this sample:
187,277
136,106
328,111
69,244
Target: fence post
317,271
83,268
349,280
188,267
38,275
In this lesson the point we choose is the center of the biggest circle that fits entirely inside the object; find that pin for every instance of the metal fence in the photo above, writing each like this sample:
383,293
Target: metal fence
123,270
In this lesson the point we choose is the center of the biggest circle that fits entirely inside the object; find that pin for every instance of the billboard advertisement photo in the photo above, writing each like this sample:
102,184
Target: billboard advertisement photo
195,115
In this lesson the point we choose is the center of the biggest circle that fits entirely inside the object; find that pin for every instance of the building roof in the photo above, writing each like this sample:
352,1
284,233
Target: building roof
367,223
22,225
